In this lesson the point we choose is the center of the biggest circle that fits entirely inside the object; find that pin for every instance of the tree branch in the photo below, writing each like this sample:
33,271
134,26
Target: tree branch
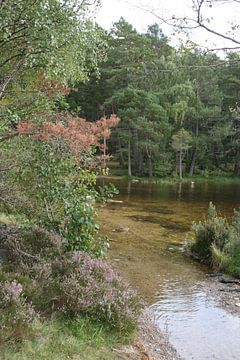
189,23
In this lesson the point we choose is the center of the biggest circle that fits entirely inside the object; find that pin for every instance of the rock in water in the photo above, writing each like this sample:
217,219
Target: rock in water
121,229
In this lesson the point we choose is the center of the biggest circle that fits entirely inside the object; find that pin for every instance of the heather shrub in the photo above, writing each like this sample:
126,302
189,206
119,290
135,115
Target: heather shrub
90,286
16,315
54,280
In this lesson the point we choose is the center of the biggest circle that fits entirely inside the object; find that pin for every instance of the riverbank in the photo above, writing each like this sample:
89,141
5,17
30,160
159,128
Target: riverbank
150,343
226,291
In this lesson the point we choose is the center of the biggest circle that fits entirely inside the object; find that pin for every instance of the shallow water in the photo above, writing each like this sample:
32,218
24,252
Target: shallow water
149,256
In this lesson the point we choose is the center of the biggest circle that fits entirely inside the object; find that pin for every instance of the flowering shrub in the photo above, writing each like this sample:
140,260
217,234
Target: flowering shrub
11,292
16,315
90,286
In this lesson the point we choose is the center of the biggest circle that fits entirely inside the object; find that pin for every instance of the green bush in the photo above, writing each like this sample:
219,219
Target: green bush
217,240
62,193
214,230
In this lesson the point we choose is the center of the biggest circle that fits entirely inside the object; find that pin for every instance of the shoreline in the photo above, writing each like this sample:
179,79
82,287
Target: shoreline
150,343
173,180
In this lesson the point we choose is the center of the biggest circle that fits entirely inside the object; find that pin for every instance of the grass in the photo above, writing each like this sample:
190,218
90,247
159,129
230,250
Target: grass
78,339
115,171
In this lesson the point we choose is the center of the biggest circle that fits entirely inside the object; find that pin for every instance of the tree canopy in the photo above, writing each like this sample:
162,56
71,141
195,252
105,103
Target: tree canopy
156,90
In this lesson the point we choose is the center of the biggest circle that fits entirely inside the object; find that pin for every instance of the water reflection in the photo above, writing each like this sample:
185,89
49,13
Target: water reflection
159,218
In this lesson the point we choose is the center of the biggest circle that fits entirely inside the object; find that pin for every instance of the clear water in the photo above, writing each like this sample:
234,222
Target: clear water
149,256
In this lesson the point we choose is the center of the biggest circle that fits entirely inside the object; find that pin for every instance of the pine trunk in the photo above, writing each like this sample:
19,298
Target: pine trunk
129,156
180,165
193,162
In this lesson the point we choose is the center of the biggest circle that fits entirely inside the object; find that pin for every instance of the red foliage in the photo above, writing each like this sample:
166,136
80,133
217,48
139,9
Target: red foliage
51,87
79,134
25,127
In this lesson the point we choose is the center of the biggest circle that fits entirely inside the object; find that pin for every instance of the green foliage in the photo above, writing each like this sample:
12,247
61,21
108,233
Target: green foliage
181,141
30,35
45,47
217,240
214,230
63,195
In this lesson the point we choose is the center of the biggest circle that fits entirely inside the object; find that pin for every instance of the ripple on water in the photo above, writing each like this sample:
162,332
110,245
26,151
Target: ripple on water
196,326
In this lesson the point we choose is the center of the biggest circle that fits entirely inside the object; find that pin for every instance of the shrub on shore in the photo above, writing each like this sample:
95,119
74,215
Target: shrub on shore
217,241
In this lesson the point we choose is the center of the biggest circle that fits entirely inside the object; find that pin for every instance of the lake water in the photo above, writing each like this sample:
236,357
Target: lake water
149,256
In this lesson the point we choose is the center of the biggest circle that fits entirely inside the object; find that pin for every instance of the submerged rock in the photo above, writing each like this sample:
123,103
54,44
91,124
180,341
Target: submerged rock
121,229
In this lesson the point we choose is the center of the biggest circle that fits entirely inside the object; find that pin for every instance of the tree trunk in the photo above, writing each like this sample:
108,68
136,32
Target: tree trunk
191,171
140,164
121,158
237,163
129,155
180,165
104,151
135,148
150,167
192,167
